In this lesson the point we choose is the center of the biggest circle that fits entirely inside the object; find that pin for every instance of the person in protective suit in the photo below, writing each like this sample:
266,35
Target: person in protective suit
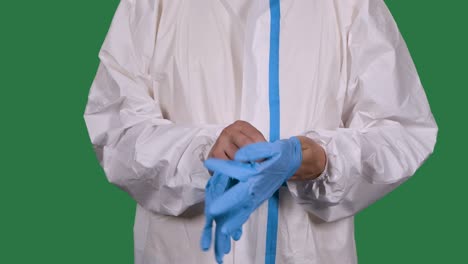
313,109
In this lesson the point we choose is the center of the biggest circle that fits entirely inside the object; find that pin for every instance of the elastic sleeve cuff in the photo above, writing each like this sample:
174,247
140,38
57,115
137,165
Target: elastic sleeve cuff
324,174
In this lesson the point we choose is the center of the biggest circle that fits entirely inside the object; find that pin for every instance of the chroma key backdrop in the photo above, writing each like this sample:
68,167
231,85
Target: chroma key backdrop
57,206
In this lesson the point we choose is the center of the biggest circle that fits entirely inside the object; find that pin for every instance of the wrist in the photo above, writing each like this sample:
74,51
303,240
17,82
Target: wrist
314,160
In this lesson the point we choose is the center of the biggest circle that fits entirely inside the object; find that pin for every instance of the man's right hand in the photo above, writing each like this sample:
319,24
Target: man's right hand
234,137
231,139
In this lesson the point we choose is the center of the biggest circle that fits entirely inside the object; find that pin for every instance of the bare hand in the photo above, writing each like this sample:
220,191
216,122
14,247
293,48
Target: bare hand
234,137
313,160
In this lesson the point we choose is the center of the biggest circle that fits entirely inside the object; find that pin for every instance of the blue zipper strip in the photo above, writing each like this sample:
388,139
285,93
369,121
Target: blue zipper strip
274,100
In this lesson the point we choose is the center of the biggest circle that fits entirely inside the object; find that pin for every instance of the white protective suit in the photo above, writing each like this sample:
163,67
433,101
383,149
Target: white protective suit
174,73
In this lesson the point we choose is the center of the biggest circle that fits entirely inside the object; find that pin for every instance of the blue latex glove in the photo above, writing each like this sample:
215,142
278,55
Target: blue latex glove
215,187
258,180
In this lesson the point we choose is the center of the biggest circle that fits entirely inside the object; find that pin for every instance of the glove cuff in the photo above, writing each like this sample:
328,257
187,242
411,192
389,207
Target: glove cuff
296,155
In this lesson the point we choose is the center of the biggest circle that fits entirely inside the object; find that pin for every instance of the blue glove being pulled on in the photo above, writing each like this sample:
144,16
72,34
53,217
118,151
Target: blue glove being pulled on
258,180
216,186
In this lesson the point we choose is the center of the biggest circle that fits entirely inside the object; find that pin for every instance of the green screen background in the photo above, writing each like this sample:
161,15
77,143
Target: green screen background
57,207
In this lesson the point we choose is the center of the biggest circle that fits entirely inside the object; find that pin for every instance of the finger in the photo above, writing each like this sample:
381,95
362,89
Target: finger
254,152
252,132
220,244
219,153
205,241
226,243
235,221
213,148
241,140
233,199
219,184
238,170
210,189
230,150
236,235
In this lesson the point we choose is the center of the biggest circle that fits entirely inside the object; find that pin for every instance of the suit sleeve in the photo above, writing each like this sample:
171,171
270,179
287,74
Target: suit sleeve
159,163
388,130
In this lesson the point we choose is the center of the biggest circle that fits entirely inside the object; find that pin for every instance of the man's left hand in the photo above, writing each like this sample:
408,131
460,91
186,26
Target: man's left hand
314,160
